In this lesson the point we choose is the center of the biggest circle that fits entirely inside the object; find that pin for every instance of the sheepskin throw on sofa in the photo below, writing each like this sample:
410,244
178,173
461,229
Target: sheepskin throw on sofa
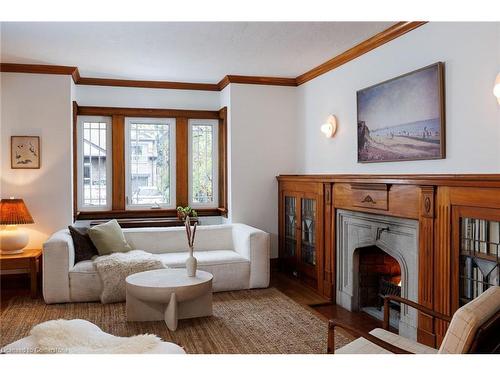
114,268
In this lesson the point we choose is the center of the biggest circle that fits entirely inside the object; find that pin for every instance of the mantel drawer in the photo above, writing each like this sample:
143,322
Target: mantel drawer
373,196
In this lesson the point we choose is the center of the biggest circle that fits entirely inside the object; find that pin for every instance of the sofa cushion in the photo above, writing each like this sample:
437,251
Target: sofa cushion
467,320
108,238
84,247
363,346
208,258
165,240
231,272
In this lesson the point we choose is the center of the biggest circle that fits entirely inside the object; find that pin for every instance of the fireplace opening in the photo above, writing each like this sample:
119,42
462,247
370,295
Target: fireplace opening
379,275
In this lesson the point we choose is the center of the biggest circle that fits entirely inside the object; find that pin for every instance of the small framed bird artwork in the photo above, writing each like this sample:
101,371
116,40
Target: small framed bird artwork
25,152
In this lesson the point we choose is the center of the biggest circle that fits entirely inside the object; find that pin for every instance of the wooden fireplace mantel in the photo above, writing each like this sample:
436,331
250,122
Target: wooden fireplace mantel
435,200
474,180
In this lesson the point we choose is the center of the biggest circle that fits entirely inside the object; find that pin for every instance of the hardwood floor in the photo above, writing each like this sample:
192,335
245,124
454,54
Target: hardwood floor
15,285
304,295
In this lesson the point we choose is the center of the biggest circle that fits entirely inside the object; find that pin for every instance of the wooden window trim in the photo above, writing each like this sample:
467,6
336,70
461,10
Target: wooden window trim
223,161
118,152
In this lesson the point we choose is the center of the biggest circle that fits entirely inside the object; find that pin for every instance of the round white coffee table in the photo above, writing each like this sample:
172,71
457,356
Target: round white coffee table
168,294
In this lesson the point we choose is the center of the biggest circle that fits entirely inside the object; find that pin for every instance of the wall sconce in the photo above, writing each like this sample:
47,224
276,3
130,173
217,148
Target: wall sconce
329,127
496,88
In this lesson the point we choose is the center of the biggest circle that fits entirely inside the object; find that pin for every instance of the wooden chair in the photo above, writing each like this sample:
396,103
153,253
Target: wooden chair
474,328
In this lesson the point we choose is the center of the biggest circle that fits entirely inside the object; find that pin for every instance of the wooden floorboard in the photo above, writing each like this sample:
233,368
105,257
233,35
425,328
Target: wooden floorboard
304,295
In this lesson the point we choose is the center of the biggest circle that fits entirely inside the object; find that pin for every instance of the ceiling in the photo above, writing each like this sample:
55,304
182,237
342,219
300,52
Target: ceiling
182,51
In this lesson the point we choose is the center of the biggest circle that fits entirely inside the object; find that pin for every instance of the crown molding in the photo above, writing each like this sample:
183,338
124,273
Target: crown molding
148,84
40,69
375,41
256,80
369,44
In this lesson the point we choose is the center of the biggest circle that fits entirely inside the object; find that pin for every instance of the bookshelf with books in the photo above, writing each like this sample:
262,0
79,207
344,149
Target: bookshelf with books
479,254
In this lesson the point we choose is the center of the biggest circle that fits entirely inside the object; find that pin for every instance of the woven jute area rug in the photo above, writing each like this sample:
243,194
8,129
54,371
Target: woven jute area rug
248,321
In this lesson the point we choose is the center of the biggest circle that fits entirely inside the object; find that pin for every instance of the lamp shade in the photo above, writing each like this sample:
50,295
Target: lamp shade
14,211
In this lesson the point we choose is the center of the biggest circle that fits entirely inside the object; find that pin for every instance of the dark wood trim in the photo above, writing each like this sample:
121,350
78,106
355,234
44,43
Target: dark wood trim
147,112
75,159
149,84
367,45
118,162
181,161
472,180
425,330
256,80
139,214
223,160
76,76
39,69
223,83
118,115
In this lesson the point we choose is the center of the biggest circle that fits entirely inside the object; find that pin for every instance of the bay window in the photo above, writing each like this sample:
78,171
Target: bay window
133,162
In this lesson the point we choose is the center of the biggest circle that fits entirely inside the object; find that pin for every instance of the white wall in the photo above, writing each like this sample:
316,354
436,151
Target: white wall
146,98
34,104
471,53
263,140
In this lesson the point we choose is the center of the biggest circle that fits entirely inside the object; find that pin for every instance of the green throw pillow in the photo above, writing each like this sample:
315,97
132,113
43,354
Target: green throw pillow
108,238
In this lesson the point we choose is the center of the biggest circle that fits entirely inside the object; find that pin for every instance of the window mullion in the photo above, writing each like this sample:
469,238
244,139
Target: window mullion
182,167
118,159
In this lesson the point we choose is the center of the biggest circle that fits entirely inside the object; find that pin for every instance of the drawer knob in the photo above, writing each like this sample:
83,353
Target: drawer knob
368,199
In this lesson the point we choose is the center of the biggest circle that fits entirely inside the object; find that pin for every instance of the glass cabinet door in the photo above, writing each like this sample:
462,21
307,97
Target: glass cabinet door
290,245
479,257
308,231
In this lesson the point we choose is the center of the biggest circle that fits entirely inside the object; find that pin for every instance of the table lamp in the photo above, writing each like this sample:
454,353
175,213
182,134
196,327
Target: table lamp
13,212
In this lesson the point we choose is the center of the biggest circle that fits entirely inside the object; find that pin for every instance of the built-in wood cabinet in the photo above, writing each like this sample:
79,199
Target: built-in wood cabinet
301,232
458,232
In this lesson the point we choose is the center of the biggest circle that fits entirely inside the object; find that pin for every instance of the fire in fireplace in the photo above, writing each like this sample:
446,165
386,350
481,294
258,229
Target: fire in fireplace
379,275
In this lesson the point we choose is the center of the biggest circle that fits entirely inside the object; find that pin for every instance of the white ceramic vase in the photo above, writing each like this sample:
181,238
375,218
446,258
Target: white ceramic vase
191,264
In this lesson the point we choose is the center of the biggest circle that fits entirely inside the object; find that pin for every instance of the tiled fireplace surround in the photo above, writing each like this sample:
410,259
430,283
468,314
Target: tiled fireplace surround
397,237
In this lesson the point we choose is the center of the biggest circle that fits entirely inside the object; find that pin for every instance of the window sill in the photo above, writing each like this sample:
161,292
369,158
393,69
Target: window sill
151,222
144,214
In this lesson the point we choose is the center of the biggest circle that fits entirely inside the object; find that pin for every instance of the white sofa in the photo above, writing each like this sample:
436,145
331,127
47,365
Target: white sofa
236,254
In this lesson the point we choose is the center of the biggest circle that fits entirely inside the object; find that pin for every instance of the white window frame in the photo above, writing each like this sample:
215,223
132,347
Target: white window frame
150,120
215,163
80,167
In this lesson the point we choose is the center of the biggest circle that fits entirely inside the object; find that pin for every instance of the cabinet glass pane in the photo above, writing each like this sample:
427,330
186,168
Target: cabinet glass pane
479,257
290,224
308,249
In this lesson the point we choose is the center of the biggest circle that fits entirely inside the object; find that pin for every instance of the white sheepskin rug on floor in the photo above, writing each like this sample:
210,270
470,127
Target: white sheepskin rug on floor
79,336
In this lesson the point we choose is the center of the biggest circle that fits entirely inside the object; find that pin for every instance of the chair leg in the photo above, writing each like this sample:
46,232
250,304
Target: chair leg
331,341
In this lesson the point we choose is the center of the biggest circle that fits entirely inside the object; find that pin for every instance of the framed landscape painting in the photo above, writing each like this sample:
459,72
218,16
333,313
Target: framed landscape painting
25,152
403,118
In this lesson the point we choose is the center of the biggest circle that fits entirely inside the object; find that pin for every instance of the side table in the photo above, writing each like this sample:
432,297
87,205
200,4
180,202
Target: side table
26,260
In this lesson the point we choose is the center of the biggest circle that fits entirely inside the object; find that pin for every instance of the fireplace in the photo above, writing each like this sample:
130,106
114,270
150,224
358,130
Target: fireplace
377,255
379,275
